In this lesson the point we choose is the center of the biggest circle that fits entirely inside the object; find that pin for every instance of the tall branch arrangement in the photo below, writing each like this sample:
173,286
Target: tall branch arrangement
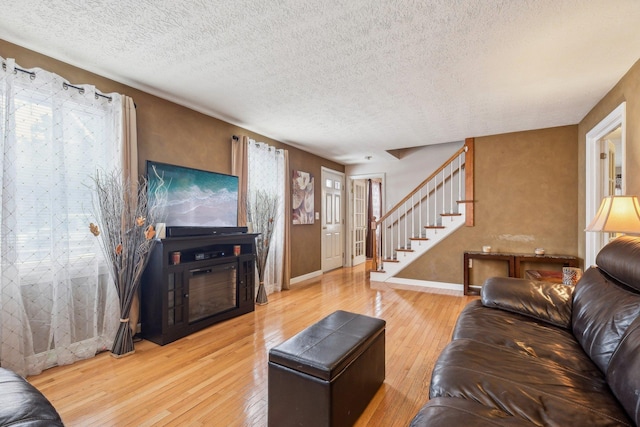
126,232
262,212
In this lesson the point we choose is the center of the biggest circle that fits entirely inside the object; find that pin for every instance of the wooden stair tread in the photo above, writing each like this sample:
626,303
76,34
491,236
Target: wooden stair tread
390,260
450,214
434,226
404,250
465,201
418,238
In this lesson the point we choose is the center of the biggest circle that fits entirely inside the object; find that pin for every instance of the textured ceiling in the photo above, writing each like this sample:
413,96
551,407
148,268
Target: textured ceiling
352,78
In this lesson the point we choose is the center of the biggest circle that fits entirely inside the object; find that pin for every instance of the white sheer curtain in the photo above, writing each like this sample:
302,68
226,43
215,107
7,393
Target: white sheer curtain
57,302
267,172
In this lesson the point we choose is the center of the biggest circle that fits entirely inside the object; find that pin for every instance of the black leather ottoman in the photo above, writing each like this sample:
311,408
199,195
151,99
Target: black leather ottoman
327,374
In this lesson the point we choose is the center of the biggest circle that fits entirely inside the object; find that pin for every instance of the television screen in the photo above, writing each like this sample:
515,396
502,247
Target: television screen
195,198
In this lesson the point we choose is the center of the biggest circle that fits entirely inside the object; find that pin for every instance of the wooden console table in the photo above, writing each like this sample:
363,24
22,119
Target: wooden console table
514,261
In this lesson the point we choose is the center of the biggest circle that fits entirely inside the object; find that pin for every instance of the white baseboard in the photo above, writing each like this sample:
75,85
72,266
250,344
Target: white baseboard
419,285
304,277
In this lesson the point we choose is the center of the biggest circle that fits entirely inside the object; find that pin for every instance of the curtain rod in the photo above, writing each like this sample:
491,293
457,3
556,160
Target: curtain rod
277,150
66,86
31,73
267,146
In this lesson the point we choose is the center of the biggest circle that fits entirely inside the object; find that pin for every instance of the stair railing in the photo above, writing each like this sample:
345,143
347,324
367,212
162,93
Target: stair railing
423,208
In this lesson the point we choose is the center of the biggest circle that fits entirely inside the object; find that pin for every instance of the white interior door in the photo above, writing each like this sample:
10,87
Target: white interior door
332,219
359,232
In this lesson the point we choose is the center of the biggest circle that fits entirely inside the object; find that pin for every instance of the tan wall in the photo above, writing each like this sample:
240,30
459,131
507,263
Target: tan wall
171,133
525,192
627,89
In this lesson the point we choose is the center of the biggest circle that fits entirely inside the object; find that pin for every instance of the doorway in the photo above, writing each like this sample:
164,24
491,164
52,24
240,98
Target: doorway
359,222
365,203
332,219
605,172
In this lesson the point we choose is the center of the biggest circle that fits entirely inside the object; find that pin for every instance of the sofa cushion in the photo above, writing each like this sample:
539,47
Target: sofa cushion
619,259
549,302
602,312
623,375
524,335
539,391
448,412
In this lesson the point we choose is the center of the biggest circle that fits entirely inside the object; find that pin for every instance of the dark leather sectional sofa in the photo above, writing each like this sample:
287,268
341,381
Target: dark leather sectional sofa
21,404
536,353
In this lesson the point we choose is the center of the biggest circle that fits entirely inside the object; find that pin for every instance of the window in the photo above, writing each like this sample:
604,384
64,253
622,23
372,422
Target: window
54,281
53,171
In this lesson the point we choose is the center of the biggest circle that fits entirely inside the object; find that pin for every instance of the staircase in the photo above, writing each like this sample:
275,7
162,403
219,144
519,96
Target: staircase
441,204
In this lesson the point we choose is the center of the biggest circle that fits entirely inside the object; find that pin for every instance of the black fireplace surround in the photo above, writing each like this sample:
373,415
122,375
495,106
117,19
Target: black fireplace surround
193,282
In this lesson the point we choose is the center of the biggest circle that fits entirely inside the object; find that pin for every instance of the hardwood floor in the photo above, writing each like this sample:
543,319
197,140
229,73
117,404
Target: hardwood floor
218,377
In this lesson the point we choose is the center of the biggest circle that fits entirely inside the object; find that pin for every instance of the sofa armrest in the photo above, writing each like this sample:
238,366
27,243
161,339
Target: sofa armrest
21,404
545,301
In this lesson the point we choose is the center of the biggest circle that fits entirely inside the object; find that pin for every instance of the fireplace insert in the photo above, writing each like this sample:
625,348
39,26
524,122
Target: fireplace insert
212,290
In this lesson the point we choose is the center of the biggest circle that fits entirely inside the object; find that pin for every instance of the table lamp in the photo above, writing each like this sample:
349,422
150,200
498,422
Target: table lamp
617,214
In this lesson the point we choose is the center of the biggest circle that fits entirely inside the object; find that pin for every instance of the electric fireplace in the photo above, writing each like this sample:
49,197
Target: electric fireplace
193,282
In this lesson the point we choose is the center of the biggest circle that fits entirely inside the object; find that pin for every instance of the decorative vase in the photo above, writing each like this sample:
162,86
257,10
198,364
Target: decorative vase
261,298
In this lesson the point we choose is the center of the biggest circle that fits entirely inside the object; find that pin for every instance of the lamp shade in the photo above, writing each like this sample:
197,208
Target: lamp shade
617,214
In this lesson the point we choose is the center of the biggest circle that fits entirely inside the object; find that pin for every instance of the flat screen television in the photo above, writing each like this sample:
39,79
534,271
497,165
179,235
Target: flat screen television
197,201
